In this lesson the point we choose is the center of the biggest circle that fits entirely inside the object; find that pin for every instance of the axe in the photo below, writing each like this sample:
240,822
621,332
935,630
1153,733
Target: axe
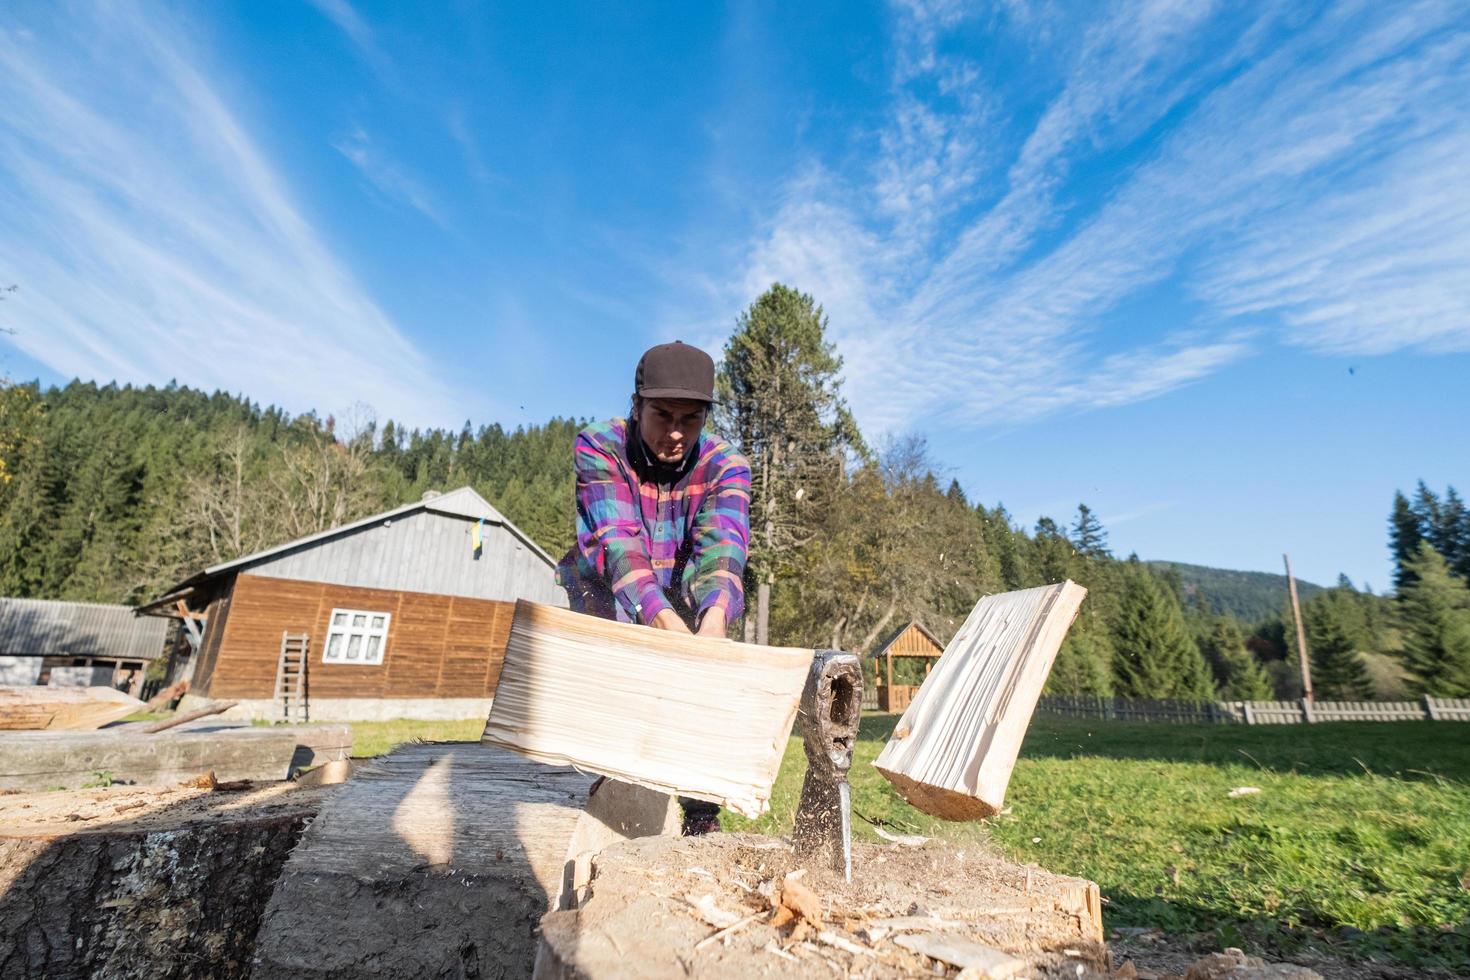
830,707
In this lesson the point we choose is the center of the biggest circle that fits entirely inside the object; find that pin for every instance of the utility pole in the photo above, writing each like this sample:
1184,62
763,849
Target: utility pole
1301,634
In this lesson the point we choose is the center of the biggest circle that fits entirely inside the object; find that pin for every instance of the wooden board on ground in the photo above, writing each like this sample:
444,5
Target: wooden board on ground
42,707
658,906
673,712
438,860
69,760
953,750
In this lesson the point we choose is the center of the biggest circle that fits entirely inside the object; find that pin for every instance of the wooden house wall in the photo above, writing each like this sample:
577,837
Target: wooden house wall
437,645
424,552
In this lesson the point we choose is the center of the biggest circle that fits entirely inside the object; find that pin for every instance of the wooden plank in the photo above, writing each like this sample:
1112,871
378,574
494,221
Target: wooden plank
677,713
41,707
953,750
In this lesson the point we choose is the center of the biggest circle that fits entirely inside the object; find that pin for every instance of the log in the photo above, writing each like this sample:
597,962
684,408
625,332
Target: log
953,750
70,760
168,695
130,882
212,708
438,860
39,707
680,714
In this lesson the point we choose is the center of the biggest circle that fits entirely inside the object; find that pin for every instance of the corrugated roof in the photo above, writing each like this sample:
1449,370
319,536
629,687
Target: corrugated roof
464,502
50,628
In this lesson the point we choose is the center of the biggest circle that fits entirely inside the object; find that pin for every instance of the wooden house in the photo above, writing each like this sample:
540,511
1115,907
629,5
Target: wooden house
913,640
401,615
76,644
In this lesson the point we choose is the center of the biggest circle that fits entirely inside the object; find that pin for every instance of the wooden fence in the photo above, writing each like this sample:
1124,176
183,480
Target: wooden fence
1257,712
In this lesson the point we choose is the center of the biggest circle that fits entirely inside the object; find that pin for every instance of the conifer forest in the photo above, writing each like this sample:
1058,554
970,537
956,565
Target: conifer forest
113,493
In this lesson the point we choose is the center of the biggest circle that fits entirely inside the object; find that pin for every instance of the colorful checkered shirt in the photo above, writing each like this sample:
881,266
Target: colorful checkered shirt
642,544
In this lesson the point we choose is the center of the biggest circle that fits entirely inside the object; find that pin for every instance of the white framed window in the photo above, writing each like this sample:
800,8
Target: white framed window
356,636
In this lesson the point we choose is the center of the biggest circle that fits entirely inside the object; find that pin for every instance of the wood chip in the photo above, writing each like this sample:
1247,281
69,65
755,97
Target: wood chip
846,945
907,840
987,961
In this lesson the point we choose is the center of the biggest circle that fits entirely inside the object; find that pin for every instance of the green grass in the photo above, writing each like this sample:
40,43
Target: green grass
1358,843
1364,826
370,738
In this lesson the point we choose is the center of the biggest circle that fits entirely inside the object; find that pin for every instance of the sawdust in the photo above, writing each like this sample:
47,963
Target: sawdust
644,895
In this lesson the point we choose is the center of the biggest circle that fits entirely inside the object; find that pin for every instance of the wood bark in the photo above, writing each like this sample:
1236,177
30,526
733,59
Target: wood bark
681,714
953,750
170,889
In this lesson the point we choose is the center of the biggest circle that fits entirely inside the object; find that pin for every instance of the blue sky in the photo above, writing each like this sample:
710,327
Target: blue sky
1205,266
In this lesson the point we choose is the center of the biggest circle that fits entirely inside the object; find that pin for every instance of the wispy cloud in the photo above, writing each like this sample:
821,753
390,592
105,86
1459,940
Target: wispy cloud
388,176
153,239
1302,180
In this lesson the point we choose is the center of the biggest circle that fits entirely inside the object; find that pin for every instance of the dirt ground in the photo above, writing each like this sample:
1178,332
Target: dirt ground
1164,956
656,901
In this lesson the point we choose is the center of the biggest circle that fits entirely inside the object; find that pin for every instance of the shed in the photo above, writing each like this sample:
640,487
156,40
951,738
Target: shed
403,614
912,640
47,641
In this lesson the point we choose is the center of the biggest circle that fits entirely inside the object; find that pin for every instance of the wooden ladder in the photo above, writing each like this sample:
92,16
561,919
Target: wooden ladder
291,676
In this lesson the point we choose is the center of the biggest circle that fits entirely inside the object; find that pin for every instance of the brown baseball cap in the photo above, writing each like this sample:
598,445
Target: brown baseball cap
675,370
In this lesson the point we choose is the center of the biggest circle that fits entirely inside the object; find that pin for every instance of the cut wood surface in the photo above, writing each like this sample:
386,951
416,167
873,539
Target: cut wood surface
438,860
69,760
42,707
952,752
676,713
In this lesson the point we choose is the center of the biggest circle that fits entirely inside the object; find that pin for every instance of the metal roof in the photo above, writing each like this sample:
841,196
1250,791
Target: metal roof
464,503
46,627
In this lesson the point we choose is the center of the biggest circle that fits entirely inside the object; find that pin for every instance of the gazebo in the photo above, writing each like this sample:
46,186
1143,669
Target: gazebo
913,640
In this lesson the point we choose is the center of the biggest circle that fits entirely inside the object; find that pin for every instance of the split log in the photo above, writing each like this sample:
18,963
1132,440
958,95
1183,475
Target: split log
677,713
70,760
41,707
130,882
438,860
168,695
954,748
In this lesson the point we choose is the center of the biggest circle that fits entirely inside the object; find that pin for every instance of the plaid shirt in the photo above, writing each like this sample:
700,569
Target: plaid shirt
644,546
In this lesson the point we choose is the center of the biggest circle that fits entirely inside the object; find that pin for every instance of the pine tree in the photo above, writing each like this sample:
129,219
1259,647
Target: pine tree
1451,538
1435,610
1338,671
1154,655
1084,664
1236,671
779,390
1404,536
1053,552
1088,535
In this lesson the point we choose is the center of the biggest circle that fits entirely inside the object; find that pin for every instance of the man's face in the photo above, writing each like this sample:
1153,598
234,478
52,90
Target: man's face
669,426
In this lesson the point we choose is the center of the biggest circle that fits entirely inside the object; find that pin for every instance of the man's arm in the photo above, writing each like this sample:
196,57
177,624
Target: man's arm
721,541
610,535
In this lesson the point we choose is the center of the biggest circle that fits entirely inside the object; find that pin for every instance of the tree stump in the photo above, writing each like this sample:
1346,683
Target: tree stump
439,860
141,882
657,907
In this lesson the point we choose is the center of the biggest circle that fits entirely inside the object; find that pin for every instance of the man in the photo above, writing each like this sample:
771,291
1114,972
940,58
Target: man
663,513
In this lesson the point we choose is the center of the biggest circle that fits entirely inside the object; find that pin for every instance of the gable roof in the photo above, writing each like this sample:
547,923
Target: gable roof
911,624
464,503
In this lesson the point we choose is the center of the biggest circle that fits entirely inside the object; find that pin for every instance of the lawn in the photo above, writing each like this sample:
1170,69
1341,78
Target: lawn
1358,841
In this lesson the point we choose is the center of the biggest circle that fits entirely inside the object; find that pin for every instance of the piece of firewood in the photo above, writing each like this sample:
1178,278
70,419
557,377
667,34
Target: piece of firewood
954,748
681,714
42,707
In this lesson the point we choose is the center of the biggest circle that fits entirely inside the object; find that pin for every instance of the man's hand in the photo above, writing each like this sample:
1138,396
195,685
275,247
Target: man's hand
669,620
713,623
